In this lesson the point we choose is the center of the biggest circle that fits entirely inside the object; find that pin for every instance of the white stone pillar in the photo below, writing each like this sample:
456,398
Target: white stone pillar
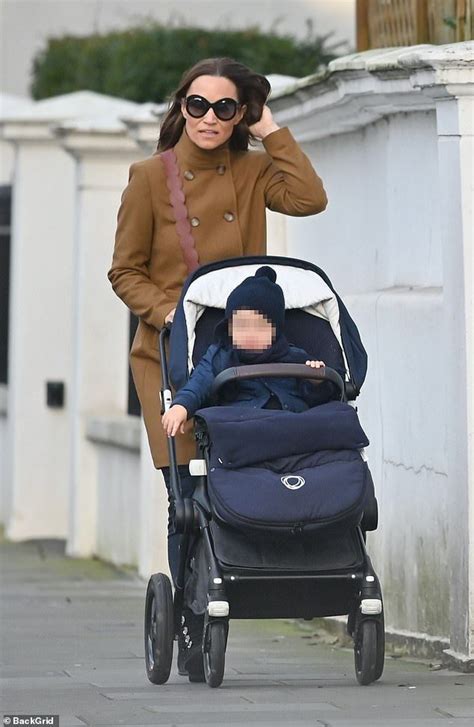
99,382
10,105
447,75
456,173
40,331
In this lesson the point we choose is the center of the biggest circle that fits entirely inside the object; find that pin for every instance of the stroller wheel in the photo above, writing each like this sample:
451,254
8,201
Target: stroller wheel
159,628
379,664
214,652
369,649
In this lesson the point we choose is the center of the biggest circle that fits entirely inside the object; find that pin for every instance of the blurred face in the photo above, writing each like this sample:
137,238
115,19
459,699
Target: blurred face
209,131
251,330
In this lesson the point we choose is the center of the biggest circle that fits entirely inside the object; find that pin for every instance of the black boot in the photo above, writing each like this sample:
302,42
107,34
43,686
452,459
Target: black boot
182,649
190,646
182,652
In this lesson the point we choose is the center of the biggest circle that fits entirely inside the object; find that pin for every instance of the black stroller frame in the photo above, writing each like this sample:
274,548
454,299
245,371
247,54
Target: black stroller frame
353,591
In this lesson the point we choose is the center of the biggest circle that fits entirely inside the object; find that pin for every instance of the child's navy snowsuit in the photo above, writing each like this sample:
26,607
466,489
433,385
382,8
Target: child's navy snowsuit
290,393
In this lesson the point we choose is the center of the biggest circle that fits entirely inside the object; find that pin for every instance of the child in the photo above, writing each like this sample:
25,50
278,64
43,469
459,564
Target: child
251,333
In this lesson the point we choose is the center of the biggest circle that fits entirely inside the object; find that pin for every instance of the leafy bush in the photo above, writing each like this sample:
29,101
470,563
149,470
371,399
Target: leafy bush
145,63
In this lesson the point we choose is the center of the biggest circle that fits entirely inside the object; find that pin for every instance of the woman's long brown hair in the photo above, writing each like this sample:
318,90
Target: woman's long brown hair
252,89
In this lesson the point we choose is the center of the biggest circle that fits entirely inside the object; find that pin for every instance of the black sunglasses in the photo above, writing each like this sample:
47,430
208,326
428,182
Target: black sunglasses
198,106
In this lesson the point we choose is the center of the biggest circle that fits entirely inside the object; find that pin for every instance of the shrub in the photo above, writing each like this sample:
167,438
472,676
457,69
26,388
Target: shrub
145,63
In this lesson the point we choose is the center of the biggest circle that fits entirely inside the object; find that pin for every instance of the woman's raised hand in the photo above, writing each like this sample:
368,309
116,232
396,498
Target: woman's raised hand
265,126
174,420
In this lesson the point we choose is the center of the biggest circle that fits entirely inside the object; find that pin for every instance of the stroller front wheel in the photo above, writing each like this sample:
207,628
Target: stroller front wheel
369,650
159,628
215,638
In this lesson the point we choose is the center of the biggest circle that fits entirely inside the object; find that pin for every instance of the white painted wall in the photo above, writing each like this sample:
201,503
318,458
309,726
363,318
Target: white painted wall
101,326
118,523
397,241
381,227
131,523
379,242
40,347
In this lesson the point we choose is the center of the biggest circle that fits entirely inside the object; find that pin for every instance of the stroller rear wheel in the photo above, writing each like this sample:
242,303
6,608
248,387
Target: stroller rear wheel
379,664
159,628
214,652
369,649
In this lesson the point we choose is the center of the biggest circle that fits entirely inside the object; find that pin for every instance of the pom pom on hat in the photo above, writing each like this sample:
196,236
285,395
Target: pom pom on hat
266,272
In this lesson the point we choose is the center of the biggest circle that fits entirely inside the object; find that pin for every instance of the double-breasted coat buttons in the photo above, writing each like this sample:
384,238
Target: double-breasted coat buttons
229,216
189,175
195,221
220,169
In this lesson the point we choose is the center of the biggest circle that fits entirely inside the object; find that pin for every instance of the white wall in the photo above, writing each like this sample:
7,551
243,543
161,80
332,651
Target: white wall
40,347
100,374
381,227
379,243
130,527
117,445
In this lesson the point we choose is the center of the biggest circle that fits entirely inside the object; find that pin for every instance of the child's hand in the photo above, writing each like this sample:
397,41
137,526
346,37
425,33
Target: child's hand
174,419
315,364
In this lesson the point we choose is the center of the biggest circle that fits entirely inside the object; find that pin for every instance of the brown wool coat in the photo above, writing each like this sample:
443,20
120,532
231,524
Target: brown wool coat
226,195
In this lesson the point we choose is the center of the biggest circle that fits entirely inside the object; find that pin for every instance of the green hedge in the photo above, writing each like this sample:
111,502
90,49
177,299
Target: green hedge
145,63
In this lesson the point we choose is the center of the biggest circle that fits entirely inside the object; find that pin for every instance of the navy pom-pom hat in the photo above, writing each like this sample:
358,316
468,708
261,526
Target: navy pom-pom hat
259,292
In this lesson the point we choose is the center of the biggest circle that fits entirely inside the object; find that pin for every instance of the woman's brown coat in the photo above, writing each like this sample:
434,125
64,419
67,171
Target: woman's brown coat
226,195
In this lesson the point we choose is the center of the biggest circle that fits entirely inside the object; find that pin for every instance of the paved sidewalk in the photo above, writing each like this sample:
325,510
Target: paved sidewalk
72,645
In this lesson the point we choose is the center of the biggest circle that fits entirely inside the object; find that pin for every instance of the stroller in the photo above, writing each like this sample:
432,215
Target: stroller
276,526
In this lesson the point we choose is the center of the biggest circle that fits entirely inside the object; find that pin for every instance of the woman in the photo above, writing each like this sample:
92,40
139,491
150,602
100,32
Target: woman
226,188
203,147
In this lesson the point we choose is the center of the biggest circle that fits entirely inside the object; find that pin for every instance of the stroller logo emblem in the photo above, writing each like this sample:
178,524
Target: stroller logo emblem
293,482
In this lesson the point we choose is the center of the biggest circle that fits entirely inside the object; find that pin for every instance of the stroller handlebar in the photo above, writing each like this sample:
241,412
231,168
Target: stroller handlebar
278,370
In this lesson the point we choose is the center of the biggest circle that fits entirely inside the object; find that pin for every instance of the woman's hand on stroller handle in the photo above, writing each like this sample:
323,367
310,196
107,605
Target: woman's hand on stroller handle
174,420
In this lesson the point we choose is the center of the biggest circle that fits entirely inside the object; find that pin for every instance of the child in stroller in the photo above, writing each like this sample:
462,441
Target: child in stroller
282,499
251,333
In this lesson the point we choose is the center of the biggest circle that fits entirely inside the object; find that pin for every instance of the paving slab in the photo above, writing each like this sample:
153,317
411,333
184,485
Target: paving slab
72,644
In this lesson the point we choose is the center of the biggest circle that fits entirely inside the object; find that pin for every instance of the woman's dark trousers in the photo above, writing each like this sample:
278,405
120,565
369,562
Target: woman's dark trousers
190,637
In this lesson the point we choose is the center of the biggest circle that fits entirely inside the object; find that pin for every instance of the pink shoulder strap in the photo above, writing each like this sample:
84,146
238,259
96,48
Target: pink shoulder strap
180,212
